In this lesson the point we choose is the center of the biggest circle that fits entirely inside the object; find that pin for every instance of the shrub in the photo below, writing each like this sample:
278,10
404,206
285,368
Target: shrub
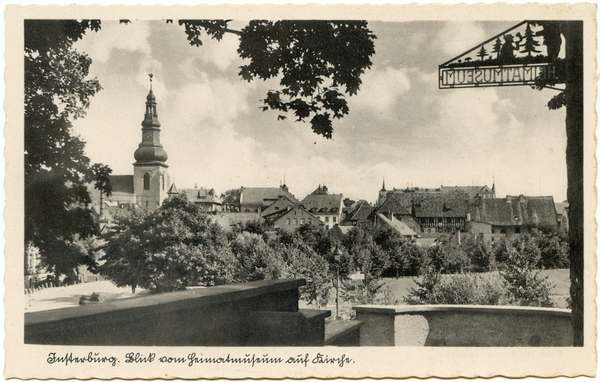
446,257
525,285
458,289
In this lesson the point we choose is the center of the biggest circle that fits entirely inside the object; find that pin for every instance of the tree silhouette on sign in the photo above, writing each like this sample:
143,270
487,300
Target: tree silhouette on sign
497,47
482,53
530,43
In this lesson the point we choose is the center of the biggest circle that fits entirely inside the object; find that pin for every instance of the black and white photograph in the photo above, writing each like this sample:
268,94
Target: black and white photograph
308,191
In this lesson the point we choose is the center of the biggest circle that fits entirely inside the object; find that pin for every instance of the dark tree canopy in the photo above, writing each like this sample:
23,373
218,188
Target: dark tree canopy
316,61
56,168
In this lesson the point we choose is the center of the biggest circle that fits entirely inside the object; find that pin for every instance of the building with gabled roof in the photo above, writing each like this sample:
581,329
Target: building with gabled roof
290,219
282,203
516,214
204,198
327,207
380,220
358,214
393,209
256,199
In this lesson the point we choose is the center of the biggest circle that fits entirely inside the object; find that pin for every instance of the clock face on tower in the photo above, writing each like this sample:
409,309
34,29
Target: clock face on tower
147,135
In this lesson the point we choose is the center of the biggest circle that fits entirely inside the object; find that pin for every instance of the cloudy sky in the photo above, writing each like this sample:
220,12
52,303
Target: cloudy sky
401,127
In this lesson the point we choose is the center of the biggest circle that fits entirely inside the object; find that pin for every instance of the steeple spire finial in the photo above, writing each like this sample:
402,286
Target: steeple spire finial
150,75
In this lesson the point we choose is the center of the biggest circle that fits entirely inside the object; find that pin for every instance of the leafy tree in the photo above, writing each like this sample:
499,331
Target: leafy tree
318,62
445,256
525,285
231,199
167,249
56,168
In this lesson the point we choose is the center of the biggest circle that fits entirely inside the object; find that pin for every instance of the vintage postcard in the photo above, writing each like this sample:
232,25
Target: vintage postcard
308,191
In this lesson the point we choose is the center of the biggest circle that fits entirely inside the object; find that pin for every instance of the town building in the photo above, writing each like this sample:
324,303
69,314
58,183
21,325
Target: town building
328,207
469,192
290,219
256,199
205,198
512,216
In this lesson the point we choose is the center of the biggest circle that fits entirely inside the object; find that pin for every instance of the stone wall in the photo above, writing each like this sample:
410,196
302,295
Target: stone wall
463,325
260,313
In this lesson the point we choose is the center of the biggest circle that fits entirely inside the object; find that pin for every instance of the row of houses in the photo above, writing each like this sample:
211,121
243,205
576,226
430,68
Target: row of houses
412,211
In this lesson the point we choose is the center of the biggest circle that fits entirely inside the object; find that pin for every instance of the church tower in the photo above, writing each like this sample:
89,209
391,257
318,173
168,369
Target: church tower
151,180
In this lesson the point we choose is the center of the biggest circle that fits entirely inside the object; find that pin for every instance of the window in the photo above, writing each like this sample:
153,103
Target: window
295,221
276,208
326,219
301,221
146,181
334,219
163,182
288,221
146,201
517,229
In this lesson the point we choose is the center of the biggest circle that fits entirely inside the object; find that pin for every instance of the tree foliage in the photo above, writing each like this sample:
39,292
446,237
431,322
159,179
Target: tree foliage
56,169
316,61
231,199
167,249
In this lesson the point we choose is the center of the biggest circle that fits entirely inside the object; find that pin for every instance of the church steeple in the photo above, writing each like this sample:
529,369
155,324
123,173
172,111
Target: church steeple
151,178
151,150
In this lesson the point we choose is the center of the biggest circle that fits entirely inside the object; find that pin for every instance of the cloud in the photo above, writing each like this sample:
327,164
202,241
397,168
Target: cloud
100,45
457,37
380,90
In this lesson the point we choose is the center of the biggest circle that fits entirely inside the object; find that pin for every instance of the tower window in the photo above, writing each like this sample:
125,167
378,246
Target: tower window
163,182
146,181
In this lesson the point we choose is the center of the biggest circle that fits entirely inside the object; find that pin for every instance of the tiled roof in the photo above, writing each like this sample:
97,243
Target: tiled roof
449,205
471,191
263,196
273,217
323,204
360,212
562,208
122,183
430,204
201,195
393,205
397,225
528,211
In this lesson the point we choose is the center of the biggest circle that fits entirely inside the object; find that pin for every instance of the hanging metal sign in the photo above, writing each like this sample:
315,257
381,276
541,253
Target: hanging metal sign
528,55
505,75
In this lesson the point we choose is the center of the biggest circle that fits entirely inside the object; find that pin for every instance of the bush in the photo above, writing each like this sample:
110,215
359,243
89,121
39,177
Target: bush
525,285
446,257
459,289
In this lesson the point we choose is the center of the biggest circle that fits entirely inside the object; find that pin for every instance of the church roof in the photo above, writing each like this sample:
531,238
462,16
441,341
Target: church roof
122,183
